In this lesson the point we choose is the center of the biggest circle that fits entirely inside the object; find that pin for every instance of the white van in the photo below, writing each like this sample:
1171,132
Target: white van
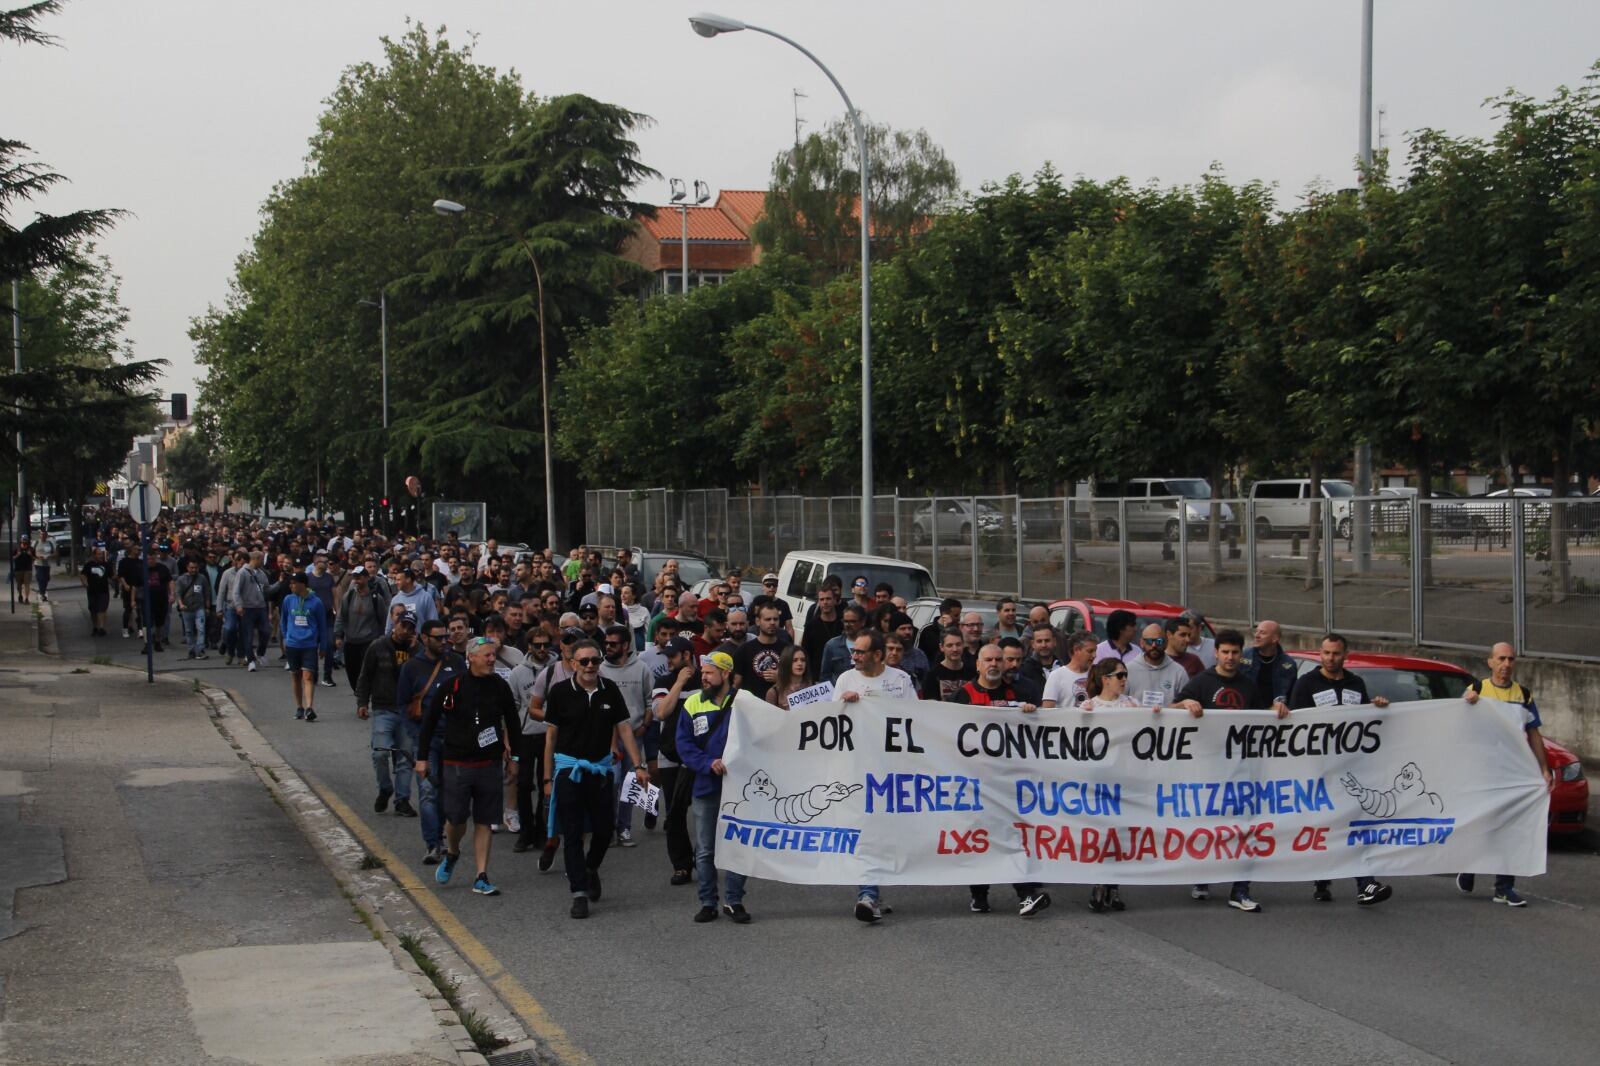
802,573
1283,505
1153,507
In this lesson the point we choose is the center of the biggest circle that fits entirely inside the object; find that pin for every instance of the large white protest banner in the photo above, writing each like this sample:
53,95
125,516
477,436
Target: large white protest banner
920,793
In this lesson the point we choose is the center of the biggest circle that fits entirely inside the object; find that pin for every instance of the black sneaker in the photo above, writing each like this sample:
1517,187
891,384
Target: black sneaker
311,715
580,907
1033,904
594,885
979,905
431,858
1114,899
706,914
547,857
381,804
523,844
1322,893
680,877
403,808
649,821
299,714
737,912
1097,898
1376,892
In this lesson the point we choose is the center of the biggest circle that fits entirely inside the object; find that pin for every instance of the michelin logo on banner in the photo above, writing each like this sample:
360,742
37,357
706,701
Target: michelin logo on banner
923,793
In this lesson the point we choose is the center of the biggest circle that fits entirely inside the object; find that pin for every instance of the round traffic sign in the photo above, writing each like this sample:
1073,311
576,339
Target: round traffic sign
144,503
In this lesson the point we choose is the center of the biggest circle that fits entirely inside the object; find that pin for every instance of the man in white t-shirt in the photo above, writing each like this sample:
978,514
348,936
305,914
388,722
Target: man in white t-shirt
868,677
1065,685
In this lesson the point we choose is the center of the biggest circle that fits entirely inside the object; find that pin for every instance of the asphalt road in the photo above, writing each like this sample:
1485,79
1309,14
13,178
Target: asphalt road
1430,976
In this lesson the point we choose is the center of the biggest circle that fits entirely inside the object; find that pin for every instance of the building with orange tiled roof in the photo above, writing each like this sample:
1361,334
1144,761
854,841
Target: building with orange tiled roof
719,241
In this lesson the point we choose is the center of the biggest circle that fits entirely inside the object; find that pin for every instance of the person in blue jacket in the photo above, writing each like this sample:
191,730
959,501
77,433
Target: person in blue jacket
1273,670
702,736
303,620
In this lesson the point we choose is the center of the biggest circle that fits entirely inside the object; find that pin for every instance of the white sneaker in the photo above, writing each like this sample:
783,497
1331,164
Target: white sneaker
513,822
625,838
868,909
251,666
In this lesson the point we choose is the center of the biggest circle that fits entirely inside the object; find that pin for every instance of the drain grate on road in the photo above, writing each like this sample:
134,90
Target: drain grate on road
516,1058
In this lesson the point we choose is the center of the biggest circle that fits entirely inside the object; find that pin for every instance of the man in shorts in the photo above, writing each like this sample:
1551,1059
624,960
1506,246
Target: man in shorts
479,721
303,623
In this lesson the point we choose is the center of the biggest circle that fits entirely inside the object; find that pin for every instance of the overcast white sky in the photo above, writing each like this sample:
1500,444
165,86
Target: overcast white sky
185,112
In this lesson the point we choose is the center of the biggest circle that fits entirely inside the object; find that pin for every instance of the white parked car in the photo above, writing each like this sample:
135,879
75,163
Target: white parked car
1283,505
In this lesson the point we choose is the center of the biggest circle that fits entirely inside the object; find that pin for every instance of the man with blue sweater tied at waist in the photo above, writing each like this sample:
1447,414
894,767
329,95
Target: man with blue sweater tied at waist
702,736
584,717
303,620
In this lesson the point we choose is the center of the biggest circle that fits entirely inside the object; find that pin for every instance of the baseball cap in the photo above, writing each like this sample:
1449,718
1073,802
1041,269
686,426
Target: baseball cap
607,589
769,577
589,609
572,634
298,576
408,618
720,659
679,646
358,570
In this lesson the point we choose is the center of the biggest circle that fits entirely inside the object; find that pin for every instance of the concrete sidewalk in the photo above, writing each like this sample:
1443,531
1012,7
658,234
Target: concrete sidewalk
158,904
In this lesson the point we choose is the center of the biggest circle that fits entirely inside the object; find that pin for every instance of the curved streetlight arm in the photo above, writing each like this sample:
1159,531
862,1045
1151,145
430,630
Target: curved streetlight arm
867,502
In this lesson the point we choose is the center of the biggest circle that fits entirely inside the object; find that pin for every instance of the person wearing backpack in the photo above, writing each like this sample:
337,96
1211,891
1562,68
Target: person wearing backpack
363,613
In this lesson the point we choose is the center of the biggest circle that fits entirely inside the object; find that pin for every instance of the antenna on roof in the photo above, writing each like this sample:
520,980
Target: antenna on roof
798,121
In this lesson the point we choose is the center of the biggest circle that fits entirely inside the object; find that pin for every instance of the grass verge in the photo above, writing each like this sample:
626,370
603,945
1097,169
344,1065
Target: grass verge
477,1028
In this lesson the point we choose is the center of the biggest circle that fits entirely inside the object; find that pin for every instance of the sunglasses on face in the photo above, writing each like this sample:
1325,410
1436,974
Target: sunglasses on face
1157,641
1123,676
587,660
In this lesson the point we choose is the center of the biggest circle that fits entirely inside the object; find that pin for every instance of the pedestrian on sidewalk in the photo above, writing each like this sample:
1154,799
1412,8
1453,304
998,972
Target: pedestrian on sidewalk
131,578
394,734
250,608
584,717
22,569
478,720
304,620
96,580
44,551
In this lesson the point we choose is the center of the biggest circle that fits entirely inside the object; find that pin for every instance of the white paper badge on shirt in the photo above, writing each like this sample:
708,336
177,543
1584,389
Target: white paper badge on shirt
1352,699
301,621
1152,697
1326,698
702,722
487,737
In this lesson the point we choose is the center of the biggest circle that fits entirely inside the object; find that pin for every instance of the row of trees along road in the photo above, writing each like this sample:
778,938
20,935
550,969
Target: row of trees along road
1032,333
81,396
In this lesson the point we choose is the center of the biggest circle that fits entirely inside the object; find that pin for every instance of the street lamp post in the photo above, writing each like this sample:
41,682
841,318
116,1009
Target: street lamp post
382,305
680,194
451,208
712,25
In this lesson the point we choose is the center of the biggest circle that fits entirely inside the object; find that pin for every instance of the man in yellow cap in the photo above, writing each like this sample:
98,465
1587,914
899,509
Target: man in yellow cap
702,736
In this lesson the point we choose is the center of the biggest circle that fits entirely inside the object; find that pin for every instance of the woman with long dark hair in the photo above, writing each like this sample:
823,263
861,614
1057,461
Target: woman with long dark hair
794,674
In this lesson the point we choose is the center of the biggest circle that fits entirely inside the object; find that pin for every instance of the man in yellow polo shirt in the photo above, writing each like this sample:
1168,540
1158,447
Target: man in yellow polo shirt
1500,686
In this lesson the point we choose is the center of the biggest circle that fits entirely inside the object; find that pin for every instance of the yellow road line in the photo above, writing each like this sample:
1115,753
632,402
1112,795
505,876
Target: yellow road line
518,998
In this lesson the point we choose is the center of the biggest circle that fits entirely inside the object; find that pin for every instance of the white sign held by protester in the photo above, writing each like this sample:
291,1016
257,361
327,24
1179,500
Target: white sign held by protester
821,692
645,797
915,793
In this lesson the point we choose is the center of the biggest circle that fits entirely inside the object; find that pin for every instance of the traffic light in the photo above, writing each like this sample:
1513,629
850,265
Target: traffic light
384,503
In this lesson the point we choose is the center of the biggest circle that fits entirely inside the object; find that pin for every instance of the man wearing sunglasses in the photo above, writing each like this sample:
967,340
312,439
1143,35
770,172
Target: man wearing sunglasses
478,720
1154,679
584,717
425,673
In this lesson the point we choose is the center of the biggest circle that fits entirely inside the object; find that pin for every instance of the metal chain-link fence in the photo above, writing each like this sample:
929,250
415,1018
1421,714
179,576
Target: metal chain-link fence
1442,572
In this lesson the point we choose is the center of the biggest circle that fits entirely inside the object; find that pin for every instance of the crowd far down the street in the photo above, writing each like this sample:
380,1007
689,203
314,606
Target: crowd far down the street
545,696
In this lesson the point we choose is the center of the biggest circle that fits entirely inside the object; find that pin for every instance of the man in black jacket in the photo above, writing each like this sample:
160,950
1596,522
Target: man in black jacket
479,719
394,735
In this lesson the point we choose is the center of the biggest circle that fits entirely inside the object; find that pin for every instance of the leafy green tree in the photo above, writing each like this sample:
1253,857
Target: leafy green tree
194,466
291,356
811,207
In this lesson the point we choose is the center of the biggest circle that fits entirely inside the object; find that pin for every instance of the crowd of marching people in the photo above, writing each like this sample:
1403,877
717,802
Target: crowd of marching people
520,692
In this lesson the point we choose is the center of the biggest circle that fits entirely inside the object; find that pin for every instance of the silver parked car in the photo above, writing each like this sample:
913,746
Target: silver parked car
1152,508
